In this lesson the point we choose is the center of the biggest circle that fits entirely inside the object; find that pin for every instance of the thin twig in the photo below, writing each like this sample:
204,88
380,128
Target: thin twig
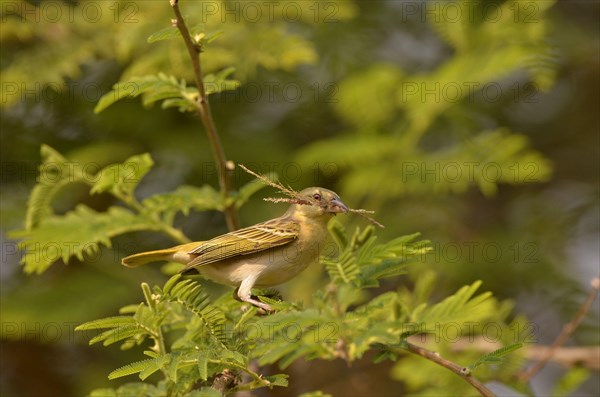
224,167
567,331
586,356
295,198
457,369
286,190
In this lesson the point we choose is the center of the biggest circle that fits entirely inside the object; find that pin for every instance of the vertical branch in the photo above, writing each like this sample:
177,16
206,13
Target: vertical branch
224,167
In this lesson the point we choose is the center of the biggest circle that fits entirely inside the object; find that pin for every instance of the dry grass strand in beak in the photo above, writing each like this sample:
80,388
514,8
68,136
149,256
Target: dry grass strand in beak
294,197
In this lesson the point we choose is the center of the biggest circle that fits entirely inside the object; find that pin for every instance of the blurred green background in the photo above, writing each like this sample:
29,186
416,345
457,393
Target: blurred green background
473,123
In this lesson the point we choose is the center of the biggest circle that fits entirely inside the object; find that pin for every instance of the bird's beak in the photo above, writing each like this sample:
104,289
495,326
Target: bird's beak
337,206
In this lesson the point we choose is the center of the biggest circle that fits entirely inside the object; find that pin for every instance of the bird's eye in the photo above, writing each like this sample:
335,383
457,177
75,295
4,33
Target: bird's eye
317,196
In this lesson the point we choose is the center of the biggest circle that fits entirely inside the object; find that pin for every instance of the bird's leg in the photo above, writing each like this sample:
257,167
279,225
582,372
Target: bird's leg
244,294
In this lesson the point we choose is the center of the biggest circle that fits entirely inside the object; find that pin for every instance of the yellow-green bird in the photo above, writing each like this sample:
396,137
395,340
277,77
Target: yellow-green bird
263,255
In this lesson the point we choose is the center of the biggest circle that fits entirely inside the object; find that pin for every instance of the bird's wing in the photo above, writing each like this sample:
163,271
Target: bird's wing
262,236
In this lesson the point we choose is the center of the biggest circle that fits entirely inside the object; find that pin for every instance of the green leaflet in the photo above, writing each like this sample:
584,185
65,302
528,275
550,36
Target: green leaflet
157,87
197,33
363,263
55,172
495,356
108,322
145,368
460,306
164,34
162,87
192,296
183,199
219,82
122,179
78,233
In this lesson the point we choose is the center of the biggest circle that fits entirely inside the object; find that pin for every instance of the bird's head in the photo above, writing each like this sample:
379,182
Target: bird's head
319,201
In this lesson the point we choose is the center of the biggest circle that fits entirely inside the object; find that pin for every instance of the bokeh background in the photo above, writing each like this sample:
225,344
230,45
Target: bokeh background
474,123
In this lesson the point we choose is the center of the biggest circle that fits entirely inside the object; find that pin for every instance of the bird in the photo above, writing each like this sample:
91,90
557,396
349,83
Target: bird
262,255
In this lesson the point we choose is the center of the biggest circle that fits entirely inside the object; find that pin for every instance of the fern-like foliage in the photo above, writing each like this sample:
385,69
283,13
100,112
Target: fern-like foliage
173,92
345,324
200,350
363,263
121,179
125,24
391,112
496,356
49,237
55,172
193,298
197,343
79,233
456,307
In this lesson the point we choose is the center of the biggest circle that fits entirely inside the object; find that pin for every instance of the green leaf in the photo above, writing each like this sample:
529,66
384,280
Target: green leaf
203,365
164,34
117,334
201,37
153,87
78,233
338,232
183,105
108,322
122,179
273,353
174,92
192,296
55,172
183,199
171,282
343,269
278,380
144,367
214,83
363,263
156,364
133,88
210,37
461,305
495,356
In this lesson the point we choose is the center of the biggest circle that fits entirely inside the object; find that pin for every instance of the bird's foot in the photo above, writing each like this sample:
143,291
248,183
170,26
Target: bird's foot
263,308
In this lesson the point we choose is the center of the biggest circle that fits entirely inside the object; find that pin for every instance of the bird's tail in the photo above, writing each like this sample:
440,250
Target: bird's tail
179,253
